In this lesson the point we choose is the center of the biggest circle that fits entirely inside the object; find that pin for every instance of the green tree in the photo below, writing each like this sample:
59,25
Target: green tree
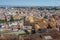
11,18
46,16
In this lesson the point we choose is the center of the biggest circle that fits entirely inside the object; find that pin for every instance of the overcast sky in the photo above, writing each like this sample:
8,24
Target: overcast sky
30,2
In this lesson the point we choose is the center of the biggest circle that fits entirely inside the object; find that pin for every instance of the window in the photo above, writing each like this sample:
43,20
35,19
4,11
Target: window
24,12
20,12
16,12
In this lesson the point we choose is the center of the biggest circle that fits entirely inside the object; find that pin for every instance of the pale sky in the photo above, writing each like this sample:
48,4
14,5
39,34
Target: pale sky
30,2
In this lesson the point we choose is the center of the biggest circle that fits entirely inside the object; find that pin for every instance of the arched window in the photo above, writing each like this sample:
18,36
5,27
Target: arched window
16,12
